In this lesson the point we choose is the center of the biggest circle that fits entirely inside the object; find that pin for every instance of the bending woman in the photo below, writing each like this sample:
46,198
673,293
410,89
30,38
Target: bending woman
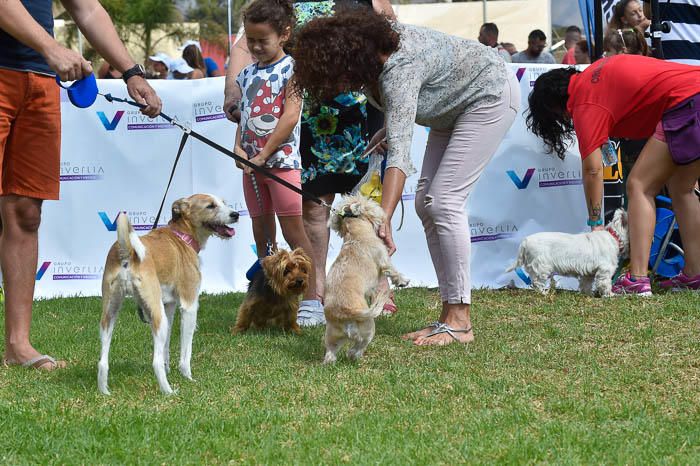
459,88
633,97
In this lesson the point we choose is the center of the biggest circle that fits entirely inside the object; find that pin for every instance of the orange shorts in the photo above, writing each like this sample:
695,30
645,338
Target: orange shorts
30,135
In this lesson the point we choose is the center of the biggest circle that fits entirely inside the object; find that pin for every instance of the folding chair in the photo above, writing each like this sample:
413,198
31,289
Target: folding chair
666,255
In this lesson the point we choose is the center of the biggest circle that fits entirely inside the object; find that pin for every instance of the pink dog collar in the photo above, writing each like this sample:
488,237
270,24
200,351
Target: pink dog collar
617,238
188,239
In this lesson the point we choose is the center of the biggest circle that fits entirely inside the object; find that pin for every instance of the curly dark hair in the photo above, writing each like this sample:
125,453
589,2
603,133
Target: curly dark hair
277,13
342,53
547,117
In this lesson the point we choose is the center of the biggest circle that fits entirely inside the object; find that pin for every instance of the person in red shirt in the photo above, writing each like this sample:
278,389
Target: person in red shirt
572,37
635,97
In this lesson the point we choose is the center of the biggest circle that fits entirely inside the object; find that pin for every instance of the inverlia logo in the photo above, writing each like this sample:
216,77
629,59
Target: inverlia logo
110,125
521,183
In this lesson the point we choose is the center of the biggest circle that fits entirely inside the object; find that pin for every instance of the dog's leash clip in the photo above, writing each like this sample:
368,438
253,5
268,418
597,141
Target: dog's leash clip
185,128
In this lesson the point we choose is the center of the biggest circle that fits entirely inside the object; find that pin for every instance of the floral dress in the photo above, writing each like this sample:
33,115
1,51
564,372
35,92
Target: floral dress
334,134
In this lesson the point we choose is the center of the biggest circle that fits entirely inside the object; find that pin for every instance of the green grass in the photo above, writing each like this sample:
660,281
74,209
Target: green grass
556,379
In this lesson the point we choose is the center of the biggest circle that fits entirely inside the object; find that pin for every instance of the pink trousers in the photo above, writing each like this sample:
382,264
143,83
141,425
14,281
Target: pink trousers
454,160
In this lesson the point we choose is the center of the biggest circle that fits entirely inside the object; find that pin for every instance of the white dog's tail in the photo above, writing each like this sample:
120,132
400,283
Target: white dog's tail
128,239
375,308
520,261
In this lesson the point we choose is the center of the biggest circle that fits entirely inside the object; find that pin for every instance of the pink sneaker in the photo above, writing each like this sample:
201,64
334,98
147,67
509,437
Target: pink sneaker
625,284
681,282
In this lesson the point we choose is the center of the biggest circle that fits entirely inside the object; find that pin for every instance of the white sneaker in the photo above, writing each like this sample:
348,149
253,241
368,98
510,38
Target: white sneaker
311,314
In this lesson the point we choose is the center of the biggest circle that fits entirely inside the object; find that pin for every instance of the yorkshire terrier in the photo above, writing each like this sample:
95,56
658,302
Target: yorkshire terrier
353,277
274,293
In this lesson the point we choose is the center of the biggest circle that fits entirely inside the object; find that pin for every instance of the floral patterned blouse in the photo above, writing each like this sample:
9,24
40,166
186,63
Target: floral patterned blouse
334,133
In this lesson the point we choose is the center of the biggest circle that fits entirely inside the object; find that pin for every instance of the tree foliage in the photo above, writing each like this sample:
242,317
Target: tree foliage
136,22
212,16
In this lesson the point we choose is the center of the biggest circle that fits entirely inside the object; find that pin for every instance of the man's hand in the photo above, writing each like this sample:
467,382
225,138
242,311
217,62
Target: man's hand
257,160
143,93
68,65
386,235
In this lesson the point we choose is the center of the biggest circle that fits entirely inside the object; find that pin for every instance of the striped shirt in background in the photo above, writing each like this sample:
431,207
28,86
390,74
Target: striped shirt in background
682,44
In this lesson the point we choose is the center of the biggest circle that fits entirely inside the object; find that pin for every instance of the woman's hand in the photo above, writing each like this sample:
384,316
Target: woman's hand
386,235
375,141
598,228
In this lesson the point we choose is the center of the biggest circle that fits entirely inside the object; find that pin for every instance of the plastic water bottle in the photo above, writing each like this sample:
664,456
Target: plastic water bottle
609,154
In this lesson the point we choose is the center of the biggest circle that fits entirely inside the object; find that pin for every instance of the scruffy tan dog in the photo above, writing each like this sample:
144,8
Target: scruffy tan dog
353,277
274,293
161,270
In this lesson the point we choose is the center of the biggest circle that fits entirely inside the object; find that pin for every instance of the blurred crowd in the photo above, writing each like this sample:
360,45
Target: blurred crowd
191,64
624,34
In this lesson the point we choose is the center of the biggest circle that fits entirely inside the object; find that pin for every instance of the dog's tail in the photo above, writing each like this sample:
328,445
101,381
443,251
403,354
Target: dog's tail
128,239
521,258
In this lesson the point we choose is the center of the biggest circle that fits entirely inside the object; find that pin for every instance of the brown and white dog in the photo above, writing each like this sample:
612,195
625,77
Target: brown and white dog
161,270
352,279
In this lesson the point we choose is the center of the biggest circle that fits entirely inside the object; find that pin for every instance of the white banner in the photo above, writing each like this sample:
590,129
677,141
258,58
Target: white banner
115,159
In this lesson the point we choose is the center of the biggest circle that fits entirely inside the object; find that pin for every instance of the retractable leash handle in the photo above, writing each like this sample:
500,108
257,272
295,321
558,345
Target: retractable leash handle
83,92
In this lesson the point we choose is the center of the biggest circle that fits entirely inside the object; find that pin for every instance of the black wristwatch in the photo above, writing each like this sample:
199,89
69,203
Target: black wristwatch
136,70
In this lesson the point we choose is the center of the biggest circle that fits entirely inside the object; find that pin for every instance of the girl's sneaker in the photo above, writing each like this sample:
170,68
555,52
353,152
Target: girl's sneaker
681,282
311,313
626,284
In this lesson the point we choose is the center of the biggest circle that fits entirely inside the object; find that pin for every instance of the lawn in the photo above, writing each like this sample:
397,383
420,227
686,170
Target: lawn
555,379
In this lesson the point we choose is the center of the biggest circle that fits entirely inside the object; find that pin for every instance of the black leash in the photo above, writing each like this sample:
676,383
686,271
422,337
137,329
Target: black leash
183,141
190,132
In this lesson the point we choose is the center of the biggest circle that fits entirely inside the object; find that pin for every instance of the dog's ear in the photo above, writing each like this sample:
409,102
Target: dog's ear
274,265
335,222
268,265
301,258
180,207
620,217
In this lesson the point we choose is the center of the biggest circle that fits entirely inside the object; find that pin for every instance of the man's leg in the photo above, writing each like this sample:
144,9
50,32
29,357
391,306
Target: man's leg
19,244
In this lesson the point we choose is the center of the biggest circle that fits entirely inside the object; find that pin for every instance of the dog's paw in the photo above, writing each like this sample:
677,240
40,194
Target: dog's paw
355,355
401,282
186,373
330,358
168,391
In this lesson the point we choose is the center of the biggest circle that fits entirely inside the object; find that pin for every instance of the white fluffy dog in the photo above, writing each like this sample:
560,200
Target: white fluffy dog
352,301
591,257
